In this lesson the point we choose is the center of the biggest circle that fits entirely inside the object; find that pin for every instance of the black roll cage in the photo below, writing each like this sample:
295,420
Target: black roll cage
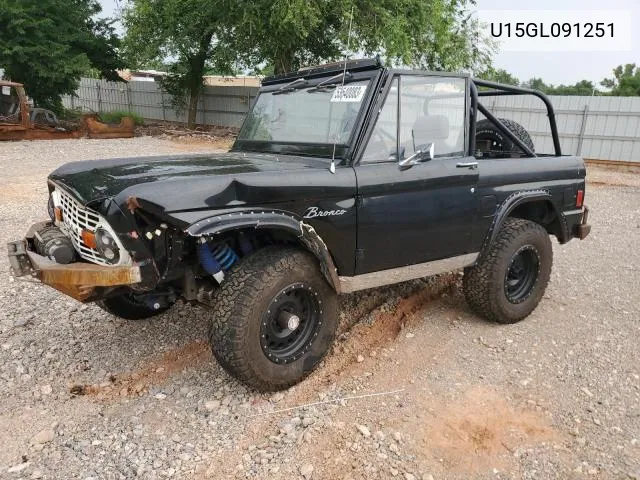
498,89
473,93
380,83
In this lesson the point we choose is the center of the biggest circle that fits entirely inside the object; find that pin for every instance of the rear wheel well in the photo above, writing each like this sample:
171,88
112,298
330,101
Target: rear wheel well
543,213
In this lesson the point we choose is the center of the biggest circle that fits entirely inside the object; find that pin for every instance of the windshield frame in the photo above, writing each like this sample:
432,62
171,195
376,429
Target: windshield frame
343,151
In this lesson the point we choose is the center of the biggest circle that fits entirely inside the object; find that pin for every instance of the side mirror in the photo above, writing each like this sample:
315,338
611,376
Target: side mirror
423,154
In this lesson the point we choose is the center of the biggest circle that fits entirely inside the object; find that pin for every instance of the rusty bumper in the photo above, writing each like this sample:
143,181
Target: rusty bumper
83,281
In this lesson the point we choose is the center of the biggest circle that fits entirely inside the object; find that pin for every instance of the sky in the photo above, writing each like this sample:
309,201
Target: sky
553,67
567,67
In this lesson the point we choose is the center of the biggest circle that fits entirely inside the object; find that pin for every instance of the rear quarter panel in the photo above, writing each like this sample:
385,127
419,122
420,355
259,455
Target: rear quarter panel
501,178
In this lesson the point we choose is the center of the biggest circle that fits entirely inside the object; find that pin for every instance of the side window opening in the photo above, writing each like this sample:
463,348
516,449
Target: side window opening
9,105
432,110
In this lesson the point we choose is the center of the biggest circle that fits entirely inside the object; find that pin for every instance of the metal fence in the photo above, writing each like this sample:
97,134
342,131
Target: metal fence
224,106
601,128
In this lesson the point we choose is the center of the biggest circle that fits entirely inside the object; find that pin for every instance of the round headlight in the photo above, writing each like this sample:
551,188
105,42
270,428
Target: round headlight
107,246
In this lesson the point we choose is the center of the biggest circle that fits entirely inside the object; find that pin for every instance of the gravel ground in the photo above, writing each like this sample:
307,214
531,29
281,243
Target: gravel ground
555,396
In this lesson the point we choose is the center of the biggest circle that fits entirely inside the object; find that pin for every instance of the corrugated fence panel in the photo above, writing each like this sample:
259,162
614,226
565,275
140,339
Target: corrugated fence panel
217,105
603,128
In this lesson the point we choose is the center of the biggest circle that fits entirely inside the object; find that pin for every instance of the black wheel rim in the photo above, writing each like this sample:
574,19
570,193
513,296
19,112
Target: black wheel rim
522,274
297,303
489,144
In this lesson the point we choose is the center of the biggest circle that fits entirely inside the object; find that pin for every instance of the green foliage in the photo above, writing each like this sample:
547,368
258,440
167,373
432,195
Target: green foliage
499,75
195,36
70,114
49,44
116,116
437,35
625,81
583,87
185,35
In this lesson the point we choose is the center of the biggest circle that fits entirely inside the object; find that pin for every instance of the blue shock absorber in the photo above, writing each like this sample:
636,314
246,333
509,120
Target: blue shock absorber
225,255
215,260
208,261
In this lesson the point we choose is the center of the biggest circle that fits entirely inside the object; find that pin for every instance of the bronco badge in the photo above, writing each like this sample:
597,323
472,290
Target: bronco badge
313,212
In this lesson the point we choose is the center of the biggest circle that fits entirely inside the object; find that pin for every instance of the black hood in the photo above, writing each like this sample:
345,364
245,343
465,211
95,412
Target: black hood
175,176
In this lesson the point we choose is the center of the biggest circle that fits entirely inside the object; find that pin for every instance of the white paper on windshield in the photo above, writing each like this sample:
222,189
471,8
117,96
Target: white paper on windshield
348,93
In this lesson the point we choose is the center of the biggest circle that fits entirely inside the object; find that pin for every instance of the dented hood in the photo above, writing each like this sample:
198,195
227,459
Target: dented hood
183,181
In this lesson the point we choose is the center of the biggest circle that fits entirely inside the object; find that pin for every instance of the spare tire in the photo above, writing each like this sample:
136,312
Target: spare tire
491,140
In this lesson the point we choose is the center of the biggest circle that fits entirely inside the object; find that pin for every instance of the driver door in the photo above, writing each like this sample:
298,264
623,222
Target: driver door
423,212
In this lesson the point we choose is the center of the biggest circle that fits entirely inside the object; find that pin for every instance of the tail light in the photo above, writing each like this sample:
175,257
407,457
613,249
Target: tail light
579,198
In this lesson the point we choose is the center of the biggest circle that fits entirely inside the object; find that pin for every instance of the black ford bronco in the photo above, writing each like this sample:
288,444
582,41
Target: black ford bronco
343,177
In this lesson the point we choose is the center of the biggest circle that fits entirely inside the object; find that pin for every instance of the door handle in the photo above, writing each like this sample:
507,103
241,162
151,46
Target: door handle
469,165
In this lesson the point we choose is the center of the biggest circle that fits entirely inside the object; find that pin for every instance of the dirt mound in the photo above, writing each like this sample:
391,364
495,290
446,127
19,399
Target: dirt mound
480,431
152,372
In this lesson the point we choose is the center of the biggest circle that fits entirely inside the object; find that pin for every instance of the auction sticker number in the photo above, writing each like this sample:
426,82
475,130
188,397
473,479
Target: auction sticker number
348,93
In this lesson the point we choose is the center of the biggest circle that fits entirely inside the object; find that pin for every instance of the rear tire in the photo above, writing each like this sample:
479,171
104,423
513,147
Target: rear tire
510,278
128,307
250,333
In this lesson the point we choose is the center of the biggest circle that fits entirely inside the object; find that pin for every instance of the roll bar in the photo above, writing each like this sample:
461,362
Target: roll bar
498,89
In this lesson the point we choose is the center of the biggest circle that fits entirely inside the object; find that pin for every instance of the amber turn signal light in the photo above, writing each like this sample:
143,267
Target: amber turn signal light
89,239
58,214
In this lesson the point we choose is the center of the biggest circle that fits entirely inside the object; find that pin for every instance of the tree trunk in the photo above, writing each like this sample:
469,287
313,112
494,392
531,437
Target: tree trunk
194,79
193,106
283,62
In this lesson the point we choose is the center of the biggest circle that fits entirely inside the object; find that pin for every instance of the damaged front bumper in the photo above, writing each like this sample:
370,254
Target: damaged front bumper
83,281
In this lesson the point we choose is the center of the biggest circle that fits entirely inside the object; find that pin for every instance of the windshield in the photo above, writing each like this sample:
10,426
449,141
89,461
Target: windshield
324,115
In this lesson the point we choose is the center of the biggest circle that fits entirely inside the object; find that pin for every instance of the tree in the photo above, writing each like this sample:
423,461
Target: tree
49,44
499,75
279,36
583,87
184,34
536,84
436,34
625,81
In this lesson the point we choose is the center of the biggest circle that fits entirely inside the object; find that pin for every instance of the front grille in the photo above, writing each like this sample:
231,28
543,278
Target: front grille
75,218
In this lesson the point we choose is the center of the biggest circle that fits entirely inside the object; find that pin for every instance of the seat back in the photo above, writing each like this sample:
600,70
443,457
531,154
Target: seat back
430,129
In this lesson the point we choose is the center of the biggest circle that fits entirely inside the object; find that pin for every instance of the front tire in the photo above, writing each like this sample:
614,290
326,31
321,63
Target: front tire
510,278
274,318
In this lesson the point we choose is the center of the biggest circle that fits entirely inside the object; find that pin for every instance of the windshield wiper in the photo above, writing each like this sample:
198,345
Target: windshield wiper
329,81
291,86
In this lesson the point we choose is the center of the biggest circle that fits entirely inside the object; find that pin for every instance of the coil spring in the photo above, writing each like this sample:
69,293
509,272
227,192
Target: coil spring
225,255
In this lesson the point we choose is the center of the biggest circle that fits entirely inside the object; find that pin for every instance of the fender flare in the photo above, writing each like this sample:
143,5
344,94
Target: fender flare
271,219
510,203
